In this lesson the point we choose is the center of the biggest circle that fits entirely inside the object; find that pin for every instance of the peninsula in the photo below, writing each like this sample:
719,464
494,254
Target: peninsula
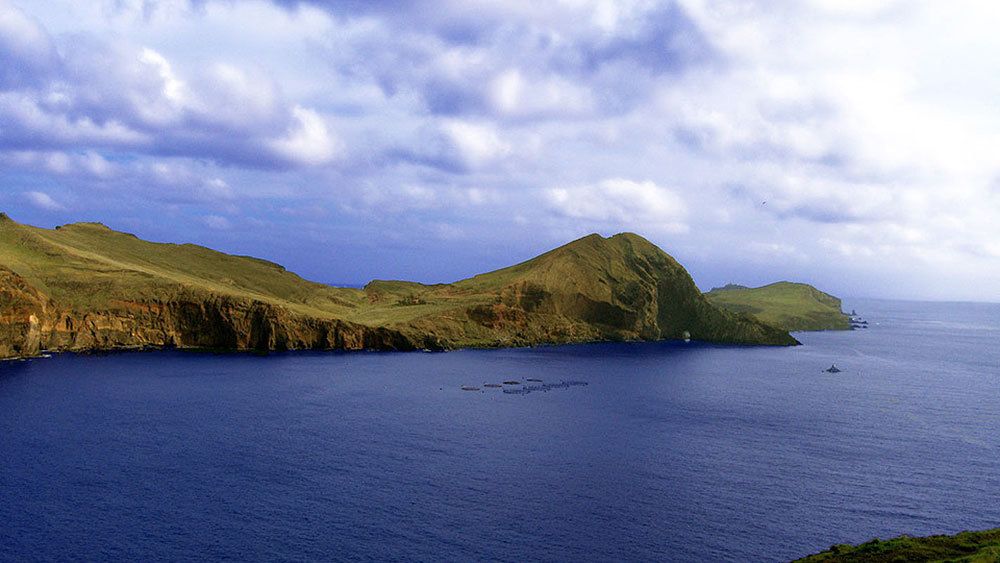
85,287
787,305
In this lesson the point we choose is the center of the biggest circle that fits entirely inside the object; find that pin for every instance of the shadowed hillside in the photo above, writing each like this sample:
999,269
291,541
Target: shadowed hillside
87,287
791,306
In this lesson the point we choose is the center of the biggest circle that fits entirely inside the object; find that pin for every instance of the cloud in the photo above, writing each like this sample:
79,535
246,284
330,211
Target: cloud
624,202
89,164
513,94
309,141
25,47
217,222
114,94
868,128
477,144
43,201
509,60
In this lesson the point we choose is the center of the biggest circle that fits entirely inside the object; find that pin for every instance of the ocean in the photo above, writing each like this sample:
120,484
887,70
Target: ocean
646,451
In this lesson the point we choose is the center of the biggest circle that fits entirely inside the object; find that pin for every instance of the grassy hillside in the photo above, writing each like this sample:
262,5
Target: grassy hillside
87,286
791,306
970,547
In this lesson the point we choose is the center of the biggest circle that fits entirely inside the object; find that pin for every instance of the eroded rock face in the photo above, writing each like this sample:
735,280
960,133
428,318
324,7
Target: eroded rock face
22,309
29,322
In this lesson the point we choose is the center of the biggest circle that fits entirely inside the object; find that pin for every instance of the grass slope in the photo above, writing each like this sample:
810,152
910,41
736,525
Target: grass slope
791,306
595,288
85,265
970,547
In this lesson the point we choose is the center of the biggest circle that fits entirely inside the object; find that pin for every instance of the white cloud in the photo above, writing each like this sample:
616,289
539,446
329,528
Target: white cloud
477,144
24,116
43,201
89,164
624,202
173,92
96,165
309,142
109,92
513,94
217,222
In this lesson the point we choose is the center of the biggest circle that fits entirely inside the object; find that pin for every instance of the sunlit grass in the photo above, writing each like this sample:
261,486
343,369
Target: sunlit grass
791,306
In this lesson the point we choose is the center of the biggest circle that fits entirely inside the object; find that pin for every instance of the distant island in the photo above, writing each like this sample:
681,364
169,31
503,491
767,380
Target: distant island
787,305
85,287
967,546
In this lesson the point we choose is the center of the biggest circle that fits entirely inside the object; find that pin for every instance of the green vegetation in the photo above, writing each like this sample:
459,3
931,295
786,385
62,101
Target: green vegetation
970,547
85,286
791,306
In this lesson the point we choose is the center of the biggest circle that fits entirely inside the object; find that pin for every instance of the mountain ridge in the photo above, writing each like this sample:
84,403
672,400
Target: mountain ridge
85,286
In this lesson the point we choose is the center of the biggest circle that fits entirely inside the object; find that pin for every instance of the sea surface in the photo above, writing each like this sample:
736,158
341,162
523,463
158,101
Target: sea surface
672,451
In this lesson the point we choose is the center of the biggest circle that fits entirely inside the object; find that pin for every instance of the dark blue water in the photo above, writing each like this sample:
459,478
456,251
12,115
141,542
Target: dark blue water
672,452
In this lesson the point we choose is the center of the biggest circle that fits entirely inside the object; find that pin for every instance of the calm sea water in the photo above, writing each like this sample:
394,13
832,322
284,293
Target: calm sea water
672,452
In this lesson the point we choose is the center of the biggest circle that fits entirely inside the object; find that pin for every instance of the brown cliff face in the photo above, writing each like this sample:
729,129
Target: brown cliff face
216,323
22,311
31,322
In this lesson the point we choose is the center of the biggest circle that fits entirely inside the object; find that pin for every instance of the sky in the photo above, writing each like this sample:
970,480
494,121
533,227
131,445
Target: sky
850,144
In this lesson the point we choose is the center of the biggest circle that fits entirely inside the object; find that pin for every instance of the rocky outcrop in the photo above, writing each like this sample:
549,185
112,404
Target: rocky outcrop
22,312
217,322
30,322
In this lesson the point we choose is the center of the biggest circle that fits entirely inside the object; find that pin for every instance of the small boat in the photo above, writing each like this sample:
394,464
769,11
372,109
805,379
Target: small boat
469,388
492,385
833,369
534,380
512,382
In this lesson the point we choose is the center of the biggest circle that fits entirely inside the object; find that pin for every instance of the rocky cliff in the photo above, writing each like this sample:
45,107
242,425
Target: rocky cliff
31,323
86,287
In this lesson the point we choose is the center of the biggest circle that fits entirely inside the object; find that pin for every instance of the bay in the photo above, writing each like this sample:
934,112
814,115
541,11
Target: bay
671,451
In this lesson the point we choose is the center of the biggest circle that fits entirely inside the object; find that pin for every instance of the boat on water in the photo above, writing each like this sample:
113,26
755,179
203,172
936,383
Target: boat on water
469,388
492,385
833,369
512,382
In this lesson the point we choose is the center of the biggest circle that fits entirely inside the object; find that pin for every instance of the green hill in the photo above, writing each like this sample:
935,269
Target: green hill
970,547
791,306
86,287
